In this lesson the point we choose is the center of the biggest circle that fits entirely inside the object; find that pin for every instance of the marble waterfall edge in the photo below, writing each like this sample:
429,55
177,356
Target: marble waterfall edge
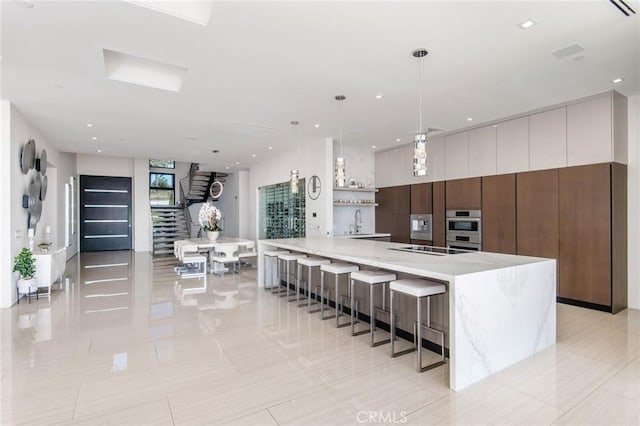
500,317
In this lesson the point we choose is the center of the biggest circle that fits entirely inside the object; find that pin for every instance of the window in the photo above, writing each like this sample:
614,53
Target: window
162,164
162,189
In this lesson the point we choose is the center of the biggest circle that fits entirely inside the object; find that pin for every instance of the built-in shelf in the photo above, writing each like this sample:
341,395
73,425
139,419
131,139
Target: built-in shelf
355,204
356,189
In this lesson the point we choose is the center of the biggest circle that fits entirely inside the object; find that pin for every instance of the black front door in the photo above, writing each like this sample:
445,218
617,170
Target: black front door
105,213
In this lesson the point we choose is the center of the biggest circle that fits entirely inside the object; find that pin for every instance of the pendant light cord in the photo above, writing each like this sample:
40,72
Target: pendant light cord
420,72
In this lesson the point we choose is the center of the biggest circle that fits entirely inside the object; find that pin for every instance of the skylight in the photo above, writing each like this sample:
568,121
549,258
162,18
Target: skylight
144,72
198,12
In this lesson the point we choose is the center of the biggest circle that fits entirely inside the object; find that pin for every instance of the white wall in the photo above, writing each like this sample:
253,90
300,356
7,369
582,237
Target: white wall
16,130
7,285
312,157
244,196
141,209
228,205
103,165
633,200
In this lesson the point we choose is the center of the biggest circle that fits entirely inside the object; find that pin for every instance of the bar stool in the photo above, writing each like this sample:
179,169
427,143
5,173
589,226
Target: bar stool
288,258
310,262
336,269
373,279
419,289
269,256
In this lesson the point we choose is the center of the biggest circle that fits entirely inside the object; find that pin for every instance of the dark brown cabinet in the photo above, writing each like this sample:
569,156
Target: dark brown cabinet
392,212
587,237
499,213
438,191
537,213
421,198
464,194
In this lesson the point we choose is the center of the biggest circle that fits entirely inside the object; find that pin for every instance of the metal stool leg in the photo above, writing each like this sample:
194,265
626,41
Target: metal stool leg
373,316
354,311
322,298
395,354
418,332
298,270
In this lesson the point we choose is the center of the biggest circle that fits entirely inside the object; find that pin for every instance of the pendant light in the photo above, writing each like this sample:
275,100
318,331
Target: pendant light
294,172
420,139
340,169
294,181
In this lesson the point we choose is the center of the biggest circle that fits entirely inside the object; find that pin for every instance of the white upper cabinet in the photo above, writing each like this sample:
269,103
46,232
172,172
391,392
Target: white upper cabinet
513,146
482,151
435,159
589,132
548,139
456,155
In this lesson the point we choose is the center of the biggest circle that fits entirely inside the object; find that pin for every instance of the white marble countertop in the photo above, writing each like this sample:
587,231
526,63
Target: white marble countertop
377,254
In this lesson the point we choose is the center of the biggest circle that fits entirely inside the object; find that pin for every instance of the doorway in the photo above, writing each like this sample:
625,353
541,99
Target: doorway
105,213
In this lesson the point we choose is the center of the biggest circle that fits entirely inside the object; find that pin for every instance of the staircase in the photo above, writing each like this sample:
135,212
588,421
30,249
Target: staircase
195,187
169,225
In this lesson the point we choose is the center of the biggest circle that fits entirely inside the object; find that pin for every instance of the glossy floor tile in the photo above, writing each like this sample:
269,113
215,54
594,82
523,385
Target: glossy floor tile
126,341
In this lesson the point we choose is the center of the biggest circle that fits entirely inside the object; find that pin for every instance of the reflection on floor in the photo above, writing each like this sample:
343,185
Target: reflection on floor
126,341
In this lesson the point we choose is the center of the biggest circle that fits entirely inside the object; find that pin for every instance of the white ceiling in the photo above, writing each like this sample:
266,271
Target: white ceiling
259,65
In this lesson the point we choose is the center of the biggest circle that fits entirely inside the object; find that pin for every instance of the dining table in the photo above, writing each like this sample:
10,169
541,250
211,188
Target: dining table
210,245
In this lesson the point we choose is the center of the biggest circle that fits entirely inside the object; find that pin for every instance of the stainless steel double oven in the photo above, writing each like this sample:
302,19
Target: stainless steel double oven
464,229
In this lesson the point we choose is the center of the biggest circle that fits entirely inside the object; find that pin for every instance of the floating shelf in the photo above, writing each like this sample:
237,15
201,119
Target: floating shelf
356,189
356,204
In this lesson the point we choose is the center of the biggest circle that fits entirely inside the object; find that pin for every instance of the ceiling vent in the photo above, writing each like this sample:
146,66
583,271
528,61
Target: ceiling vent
623,7
568,51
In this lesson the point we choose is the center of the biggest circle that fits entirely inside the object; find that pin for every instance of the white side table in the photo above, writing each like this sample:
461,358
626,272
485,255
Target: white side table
50,267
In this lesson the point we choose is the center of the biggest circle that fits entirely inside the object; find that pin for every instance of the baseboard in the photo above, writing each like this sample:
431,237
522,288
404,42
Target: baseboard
595,306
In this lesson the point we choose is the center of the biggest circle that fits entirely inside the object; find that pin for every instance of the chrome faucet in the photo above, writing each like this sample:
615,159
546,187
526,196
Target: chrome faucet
358,221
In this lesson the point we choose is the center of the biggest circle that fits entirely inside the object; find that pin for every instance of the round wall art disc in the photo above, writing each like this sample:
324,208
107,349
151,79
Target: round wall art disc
41,164
28,156
43,187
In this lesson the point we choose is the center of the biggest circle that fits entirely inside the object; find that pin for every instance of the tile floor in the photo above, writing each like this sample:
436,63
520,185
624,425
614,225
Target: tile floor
131,343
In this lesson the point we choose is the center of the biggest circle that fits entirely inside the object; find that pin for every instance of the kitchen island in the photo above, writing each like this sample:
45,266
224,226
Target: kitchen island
499,308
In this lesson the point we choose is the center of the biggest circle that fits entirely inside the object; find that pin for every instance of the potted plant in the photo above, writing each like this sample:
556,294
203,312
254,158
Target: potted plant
25,265
209,218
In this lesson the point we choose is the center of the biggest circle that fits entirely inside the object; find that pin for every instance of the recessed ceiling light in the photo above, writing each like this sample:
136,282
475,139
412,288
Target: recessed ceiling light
617,80
227,167
373,146
378,96
253,155
469,119
94,138
99,151
89,125
237,162
527,24
316,125
398,140
270,147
